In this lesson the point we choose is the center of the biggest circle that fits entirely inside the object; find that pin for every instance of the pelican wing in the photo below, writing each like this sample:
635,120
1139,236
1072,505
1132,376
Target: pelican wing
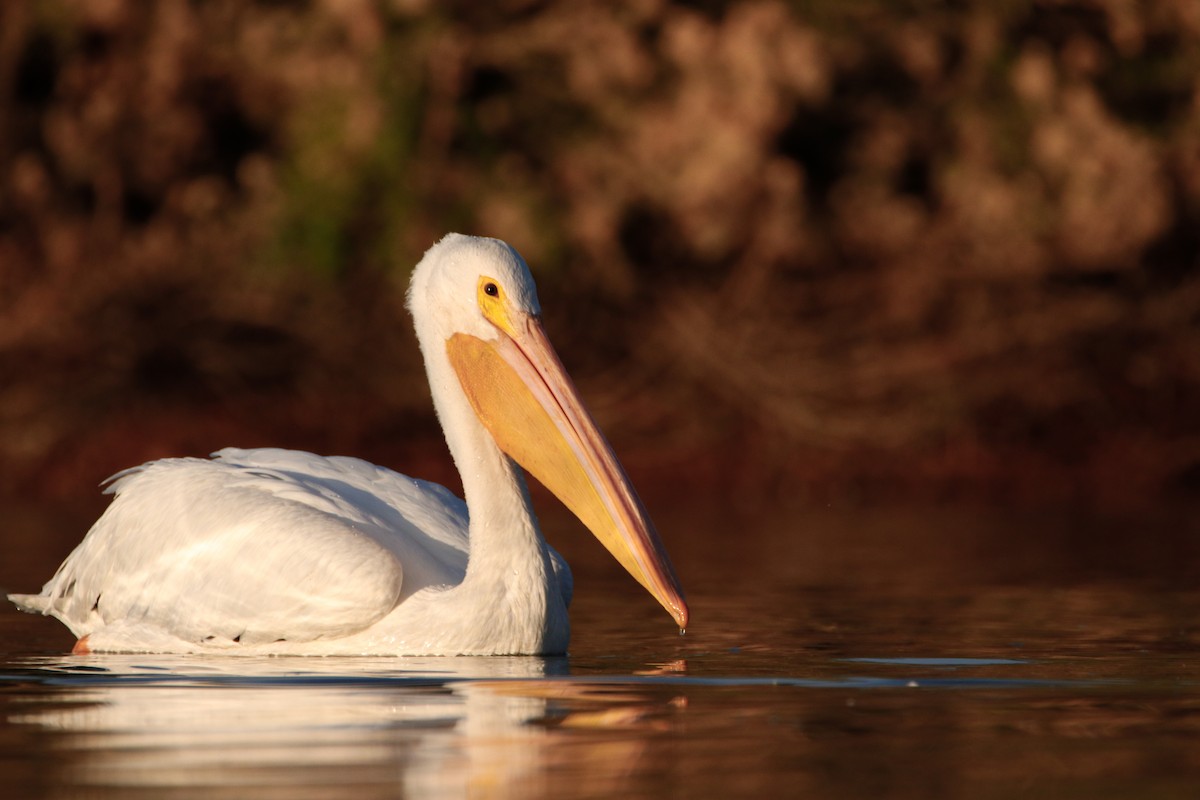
257,546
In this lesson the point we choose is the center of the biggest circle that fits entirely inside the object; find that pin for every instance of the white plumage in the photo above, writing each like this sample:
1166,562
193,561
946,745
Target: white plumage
282,552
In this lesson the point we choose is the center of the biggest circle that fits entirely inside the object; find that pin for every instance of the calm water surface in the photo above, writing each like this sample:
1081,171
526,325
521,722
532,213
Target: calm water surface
833,653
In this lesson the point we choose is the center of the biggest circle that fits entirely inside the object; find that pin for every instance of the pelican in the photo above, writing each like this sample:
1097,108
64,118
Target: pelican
283,552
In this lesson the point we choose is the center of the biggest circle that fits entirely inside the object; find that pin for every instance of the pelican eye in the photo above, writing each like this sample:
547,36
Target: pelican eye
492,303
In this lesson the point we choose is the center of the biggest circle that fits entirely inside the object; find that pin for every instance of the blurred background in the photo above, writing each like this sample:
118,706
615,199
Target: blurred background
878,250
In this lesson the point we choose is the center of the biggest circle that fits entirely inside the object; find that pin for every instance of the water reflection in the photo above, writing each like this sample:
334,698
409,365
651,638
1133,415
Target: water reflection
848,655
433,727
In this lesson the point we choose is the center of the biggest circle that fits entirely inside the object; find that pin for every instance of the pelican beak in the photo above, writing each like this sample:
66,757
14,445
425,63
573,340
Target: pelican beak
523,396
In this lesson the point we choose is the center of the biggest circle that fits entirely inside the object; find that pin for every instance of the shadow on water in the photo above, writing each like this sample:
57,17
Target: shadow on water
900,653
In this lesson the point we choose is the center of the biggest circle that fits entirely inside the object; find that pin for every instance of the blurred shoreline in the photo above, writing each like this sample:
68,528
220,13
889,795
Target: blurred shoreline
874,250
1122,475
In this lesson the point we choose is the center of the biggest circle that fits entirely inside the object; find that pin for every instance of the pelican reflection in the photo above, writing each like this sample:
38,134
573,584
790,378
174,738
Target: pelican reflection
430,727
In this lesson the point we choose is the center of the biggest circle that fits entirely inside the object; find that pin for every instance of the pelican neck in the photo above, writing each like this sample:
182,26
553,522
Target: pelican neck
504,534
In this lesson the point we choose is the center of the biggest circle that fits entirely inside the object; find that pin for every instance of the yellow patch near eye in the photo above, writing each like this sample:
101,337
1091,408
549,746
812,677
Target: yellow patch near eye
493,304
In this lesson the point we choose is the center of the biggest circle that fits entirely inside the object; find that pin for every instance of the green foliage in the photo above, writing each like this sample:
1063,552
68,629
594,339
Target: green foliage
346,201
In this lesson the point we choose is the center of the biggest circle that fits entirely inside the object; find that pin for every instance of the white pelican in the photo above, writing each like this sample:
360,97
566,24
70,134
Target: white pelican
284,552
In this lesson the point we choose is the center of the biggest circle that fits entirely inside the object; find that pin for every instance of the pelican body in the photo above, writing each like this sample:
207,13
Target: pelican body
283,552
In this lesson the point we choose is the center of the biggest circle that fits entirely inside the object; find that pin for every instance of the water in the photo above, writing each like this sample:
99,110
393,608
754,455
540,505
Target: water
832,653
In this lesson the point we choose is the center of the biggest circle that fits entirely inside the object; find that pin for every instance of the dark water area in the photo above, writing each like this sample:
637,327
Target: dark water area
833,652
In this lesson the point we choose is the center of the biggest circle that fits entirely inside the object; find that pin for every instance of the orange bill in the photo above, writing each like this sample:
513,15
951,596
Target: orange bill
523,396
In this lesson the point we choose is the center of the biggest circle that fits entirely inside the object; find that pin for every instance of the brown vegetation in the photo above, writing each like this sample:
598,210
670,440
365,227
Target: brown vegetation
880,246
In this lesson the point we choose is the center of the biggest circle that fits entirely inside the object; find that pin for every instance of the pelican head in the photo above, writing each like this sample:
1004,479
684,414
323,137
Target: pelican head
444,297
477,317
